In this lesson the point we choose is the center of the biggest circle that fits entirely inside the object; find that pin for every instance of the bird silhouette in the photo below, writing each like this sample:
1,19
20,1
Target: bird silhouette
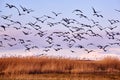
95,13
49,38
6,39
49,17
72,51
72,40
68,21
9,24
6,17
77,10
11,45
35,47
57,49
56,14
13,6
17,28
58,45
26,33
101,28
110,35
86,25
111,28
32,24
26,10
46,50
89,51
24,27
98,15
112,21
10,6
21,41
28,41
103,47
79,46
117,10
27,49
50,24
70,45
115,43
39,19
4,27
42,21
90,44
17,22
1,42
6,35
13,38
82,15
95,22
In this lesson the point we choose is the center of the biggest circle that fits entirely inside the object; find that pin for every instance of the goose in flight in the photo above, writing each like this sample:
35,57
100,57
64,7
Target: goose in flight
77,10
6,17
117,10
13,6
26,10
4,27
88,51
96,13
56,14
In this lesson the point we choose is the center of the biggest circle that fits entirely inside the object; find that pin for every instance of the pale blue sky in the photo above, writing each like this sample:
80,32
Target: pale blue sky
66,6
41,7
44,7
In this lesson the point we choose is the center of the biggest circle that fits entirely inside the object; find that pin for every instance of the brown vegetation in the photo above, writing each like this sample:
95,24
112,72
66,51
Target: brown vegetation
33,65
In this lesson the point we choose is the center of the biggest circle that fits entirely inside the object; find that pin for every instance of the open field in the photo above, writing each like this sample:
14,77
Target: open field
34,68
40,65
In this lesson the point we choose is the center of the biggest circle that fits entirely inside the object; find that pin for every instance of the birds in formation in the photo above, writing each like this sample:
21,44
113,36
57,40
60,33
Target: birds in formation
76,31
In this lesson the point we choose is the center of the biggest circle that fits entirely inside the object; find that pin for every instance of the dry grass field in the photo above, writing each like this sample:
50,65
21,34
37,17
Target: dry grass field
41,65
62,77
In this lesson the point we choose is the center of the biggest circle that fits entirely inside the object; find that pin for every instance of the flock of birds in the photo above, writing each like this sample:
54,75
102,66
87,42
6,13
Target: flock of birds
76,33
